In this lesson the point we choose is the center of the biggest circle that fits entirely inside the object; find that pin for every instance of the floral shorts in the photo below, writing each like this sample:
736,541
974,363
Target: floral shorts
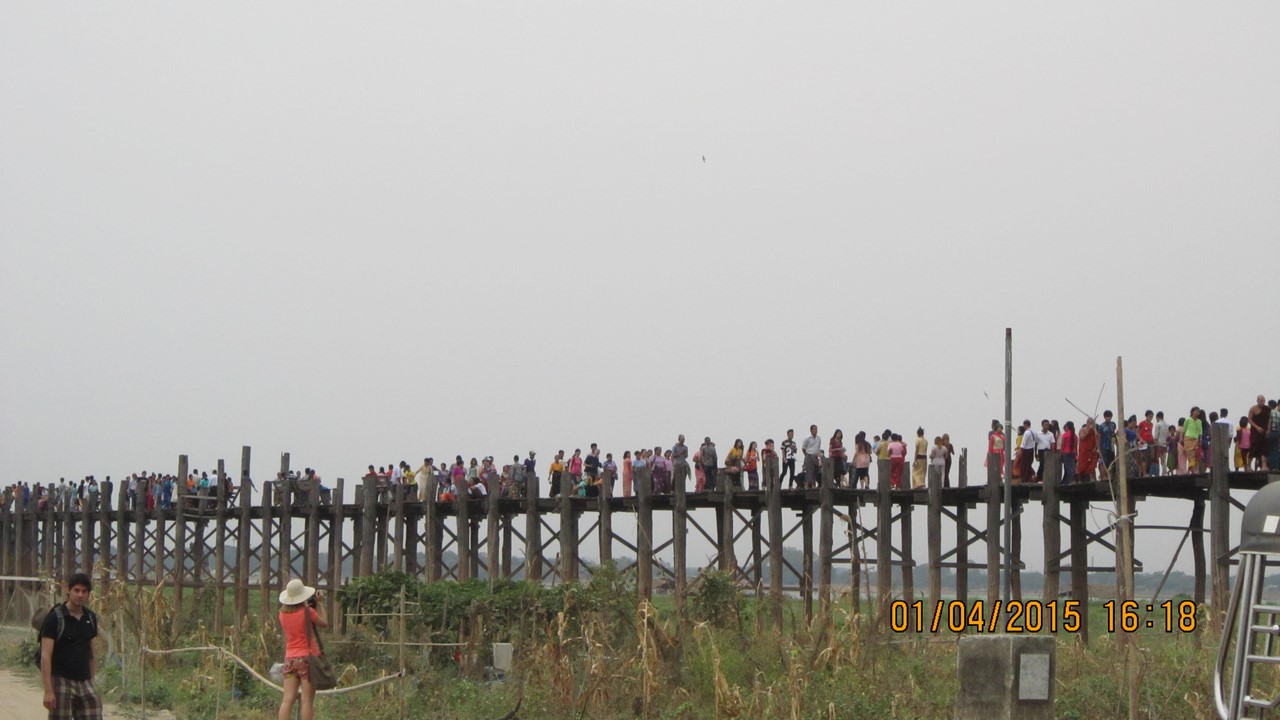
299,666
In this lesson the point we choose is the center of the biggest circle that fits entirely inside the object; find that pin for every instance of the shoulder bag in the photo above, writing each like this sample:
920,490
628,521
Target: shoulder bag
323,675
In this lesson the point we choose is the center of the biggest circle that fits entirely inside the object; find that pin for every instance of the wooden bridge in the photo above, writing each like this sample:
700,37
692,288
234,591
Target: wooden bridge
296,534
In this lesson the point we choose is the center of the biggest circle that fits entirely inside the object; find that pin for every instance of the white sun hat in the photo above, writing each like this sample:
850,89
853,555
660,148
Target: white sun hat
295,593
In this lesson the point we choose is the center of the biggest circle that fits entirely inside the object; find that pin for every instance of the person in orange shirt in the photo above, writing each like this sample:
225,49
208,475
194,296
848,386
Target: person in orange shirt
300,604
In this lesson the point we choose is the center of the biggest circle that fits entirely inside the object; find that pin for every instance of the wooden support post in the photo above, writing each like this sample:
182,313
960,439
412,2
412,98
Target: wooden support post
264,551
1080,564
335,546
434,531
884,538
1052,526
122,535
1197,550
644,532
220,545
507,538
962,545
397,553
532,530
908,564
368,521
773,488
994,497
568,529
311,548
806,560
492,553
757,547
1220,516
1015,553
288,497
102,510
680,532
606,518
826,500
86,545
473,528
67,527
462,532
933,524
244,500
139,542
963,472
728,559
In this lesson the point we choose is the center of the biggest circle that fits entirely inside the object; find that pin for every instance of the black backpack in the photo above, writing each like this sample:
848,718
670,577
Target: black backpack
60,611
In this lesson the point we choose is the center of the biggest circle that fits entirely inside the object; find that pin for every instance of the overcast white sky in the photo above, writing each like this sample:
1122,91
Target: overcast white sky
365,233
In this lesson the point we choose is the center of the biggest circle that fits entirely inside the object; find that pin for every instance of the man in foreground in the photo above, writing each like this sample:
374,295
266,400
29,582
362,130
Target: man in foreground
67,661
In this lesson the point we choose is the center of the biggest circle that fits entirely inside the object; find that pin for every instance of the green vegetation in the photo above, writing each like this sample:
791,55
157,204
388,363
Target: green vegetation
592,650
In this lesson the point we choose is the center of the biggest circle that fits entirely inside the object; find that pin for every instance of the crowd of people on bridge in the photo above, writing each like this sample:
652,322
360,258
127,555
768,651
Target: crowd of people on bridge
1154,445
139,491
1088,453
585,473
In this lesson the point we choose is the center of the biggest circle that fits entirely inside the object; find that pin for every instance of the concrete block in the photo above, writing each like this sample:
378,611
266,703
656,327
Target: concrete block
1006,677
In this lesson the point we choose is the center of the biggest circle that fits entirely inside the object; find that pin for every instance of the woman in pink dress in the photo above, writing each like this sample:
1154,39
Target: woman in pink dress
699,473
897,458
626,473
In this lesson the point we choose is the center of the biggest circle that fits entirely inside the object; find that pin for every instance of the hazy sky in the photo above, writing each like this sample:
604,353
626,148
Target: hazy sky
365,233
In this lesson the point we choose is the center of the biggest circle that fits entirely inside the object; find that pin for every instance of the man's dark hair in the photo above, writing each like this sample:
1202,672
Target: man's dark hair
79,579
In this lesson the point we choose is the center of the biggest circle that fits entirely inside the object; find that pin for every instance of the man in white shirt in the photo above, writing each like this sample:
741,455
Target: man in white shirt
812,449
1026,452
1161,434
1044,443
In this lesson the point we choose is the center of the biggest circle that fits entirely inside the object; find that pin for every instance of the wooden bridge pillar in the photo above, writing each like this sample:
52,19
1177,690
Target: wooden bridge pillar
1219,515
220,543
680,532
934,528
908,564
568,529
962,534
368,499
606,517
462,533
1052,525
244,500
493,553
724,523
773,490
1080,564
532,531
884,537
335,570
434,531
264,552
826,498
994,496
398,552
644,532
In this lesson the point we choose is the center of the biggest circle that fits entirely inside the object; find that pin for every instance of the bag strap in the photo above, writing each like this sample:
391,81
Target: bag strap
311,631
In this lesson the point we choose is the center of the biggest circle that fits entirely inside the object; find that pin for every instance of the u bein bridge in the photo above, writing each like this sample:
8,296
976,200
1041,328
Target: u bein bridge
283,536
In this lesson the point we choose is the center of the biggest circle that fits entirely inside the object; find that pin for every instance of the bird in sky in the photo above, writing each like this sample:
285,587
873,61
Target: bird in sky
704,159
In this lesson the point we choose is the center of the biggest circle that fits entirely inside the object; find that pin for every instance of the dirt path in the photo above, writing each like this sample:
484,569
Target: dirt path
21,697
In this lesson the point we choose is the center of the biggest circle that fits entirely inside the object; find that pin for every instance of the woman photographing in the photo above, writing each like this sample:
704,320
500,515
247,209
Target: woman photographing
300,604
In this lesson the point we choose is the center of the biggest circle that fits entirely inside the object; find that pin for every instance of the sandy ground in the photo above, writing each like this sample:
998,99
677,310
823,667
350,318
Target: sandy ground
22,698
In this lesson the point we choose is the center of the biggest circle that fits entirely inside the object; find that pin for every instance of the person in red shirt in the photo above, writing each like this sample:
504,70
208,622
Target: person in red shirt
300,604
1146,436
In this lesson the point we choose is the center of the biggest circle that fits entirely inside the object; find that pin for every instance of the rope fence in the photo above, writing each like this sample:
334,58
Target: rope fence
227,654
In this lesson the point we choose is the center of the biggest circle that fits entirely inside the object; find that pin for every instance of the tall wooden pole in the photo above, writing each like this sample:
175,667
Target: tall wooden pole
1008,468
1124,548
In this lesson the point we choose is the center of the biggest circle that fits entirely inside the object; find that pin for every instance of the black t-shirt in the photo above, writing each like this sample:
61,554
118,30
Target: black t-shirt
71,654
